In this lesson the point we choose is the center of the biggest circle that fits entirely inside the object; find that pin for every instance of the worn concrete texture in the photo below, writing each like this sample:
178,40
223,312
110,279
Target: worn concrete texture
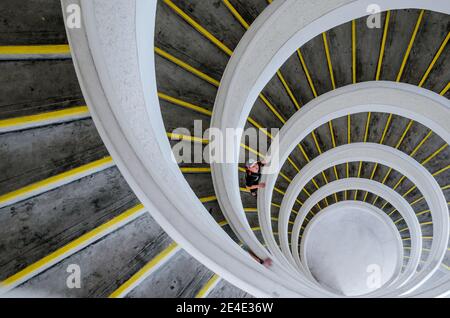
27,22
249,9
341,53
34,228
106,264
170,80
30,87
429,38
175,36
182,277
176,118
39,225
401,26
174,81
32,155
226,290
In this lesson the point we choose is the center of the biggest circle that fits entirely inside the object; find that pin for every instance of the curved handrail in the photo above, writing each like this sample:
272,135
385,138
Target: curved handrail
362,152
381,190
399,99
405,100
114,60
260,53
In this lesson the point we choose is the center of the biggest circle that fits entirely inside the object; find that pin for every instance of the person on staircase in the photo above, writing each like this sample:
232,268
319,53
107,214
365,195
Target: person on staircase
265,262
253,176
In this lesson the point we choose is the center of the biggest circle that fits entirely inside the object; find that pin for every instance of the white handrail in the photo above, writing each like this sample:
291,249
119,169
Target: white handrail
382,191
113,54
364,206
386,97
272,38
368,152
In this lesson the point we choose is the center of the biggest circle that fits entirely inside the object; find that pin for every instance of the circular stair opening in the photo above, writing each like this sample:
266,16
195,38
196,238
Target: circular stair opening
351,250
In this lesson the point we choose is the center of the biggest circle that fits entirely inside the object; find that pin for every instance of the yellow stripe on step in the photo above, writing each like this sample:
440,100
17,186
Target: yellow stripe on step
181,137
184,104
34,49
186,66
44,117
208,287
54,181
214,198
144,271
174,136
198,27
75,245
445,90
208,199
195,170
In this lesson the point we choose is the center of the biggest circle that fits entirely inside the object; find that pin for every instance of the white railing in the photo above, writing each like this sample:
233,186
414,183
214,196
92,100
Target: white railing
113,54
422,106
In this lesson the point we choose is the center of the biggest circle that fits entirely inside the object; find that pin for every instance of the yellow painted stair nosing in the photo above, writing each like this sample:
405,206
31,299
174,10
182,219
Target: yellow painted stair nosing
34,49
43,119
209,286
153,265
71,248
55,181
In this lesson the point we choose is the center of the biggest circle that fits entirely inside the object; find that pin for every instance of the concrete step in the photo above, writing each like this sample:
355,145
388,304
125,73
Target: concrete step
182,277
30,87
32,155
29,22
106,264
34,228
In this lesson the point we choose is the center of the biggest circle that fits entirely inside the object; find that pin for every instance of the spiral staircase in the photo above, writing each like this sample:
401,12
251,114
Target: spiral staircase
364,125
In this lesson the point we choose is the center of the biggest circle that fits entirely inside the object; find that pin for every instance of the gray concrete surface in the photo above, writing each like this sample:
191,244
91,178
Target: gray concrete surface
368,44
182,277
34,228
226,290
178,38
106,264
249,9
30,87
174,81
401,27
341,53
43,223
26,22
33,155
429,38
